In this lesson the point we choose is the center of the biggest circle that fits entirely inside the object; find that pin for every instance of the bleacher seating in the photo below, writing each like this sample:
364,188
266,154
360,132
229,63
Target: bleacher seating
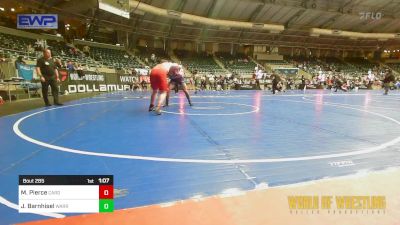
145,54
202,63
338,65
64,52
313,65
310,65
13,46
394,66
238,64
361,64
114,58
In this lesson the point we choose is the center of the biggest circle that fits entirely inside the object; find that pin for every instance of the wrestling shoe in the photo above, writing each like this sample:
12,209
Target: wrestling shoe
151,108
158,111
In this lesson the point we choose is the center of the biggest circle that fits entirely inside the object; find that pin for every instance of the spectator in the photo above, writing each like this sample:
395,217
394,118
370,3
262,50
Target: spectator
371,79
86,50
30,49
19,61
58,64
258,76
39,45
303,82
79,70
70,66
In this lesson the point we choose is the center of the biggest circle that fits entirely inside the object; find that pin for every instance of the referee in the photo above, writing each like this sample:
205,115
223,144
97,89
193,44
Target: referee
46,69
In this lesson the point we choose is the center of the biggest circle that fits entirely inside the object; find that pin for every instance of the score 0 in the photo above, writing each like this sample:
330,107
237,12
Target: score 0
106,192
106,198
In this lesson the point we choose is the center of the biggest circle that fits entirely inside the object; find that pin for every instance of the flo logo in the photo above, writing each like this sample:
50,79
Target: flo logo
37,21
371,15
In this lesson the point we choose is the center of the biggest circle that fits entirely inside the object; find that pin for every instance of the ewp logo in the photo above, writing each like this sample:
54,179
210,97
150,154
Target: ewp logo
37,21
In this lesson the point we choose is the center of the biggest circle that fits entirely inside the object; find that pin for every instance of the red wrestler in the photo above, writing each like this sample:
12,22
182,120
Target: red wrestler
159,84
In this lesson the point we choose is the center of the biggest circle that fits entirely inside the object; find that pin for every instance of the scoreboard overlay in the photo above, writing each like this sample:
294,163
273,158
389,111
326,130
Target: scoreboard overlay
66,193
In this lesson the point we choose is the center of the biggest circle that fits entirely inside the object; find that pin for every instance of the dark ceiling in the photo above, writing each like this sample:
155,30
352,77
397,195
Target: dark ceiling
296,15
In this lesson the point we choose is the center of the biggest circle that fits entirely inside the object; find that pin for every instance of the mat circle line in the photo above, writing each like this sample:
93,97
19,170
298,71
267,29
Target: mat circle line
18,132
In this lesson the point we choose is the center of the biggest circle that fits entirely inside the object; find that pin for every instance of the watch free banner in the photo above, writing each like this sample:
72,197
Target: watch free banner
89,81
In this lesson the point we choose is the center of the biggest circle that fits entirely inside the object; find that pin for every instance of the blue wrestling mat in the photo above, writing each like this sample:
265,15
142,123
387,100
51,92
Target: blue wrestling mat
236,139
